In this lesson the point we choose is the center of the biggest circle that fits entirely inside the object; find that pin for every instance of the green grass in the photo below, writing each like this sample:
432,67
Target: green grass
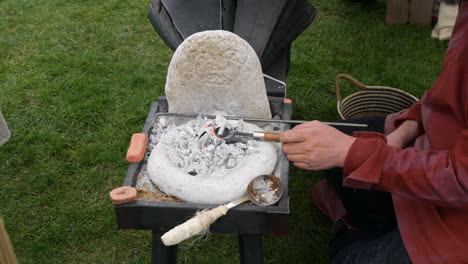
77,79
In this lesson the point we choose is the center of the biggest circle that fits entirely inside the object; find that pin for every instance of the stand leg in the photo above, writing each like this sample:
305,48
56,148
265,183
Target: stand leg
160,254
250,249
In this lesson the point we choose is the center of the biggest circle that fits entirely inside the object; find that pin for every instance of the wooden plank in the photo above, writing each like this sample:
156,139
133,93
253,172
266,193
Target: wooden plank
421,12
6,250
397,11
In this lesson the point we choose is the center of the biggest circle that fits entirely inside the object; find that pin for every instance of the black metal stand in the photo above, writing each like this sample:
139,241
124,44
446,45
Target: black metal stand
248,221
250,249
160,254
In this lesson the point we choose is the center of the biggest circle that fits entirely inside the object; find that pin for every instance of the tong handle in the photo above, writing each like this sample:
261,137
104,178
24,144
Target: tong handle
271,136
267,136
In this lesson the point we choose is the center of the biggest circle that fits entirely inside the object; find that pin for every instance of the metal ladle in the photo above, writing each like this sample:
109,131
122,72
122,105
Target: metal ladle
263,190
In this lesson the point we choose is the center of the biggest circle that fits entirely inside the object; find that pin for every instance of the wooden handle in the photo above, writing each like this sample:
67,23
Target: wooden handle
6,250
194,226
271,136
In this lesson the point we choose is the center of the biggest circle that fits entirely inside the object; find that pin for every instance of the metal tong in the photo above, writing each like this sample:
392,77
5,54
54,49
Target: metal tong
234,136
259,119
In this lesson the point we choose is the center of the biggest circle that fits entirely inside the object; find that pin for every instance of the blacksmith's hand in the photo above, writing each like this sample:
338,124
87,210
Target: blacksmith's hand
316,146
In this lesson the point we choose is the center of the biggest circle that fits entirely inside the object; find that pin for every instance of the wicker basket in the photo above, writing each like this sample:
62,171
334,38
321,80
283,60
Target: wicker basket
371,100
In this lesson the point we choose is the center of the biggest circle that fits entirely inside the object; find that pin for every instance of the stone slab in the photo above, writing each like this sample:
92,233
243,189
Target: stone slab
216,71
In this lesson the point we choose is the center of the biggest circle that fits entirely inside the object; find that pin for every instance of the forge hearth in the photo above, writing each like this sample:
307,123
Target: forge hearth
190,162
249,221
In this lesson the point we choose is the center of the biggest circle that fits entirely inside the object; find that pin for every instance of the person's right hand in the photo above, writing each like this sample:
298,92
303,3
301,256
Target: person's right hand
403,135
316,146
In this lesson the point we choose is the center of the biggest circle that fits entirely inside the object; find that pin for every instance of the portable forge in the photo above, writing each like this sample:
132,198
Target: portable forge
250,222
269,27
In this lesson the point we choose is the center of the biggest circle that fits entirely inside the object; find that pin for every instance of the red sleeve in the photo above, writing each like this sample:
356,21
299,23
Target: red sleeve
440,177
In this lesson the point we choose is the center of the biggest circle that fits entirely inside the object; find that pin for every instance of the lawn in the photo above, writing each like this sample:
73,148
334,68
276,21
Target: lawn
77,79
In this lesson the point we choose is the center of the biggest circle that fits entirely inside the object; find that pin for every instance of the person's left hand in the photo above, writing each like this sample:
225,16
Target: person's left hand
316,146
403,135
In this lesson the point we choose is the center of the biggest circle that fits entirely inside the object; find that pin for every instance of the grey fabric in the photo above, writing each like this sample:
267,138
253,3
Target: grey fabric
4,131
192,16
256,20
162,23
296,17
228,14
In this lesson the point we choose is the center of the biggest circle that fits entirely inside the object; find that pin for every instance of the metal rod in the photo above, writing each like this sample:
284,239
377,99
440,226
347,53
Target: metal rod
260,119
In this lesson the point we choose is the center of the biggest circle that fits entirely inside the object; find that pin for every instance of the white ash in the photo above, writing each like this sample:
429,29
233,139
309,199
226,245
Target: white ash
158,130
195,150
143,182
189,162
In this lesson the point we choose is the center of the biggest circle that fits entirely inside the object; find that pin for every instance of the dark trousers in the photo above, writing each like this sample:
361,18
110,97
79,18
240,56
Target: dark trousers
376,239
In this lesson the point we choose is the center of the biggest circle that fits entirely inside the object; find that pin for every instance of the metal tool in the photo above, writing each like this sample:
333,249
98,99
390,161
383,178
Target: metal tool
226,134
263,190
260,119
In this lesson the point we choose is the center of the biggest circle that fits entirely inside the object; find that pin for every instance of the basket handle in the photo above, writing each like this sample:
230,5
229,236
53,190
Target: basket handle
348,78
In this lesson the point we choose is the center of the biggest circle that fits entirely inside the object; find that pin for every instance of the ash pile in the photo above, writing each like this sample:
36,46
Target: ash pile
195,148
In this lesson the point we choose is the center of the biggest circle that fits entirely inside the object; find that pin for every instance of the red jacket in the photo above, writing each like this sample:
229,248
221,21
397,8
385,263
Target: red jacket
429,181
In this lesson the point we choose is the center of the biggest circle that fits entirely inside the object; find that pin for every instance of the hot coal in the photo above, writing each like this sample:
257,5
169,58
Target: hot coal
194,148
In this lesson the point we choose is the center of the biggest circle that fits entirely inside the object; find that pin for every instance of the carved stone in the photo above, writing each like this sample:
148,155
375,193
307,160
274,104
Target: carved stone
216,71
